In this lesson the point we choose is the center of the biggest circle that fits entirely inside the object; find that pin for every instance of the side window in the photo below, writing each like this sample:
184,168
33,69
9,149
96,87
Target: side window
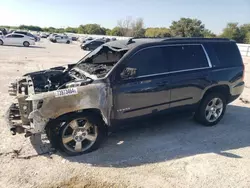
148,61
227,54
9,36
98,43
20,32
17,36
183,57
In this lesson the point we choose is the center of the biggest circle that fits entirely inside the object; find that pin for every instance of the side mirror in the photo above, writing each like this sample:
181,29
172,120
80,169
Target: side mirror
128,73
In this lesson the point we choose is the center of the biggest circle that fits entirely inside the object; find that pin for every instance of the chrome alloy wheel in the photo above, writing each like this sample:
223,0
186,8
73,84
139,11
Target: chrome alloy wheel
79,135
214,109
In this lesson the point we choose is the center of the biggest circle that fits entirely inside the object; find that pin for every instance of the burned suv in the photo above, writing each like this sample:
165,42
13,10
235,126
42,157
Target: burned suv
123,80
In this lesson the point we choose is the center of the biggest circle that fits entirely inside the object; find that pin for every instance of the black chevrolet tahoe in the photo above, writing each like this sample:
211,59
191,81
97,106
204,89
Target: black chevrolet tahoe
76,105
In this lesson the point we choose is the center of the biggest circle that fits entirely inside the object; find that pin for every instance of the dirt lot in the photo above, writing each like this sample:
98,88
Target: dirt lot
168,153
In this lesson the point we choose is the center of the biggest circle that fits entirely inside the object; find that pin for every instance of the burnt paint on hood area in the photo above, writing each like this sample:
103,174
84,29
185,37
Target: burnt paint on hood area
94,65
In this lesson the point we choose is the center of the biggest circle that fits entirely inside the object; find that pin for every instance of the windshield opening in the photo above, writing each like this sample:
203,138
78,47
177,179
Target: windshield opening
100,61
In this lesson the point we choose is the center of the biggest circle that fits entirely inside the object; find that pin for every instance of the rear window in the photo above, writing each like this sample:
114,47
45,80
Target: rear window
227,54
30,35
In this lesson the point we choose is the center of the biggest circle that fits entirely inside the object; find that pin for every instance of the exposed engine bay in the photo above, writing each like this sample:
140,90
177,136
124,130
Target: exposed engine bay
44,95
93,66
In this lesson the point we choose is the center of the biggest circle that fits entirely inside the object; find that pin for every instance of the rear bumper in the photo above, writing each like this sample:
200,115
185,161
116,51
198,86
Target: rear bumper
236,91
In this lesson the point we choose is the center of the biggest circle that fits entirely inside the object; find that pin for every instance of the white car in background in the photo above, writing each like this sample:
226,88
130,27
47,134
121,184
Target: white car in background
17,39
60,39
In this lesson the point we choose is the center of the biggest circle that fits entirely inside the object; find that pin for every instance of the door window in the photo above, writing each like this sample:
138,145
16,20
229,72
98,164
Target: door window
149,61
17,36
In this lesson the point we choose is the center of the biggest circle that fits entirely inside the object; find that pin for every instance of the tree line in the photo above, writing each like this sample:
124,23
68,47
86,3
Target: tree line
184,27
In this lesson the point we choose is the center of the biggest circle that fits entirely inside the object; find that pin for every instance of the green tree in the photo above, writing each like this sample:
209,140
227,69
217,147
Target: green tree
81,29
106,30
187,27
232,31
208,34
116,31
157,32
59,30
93,29
245,30
71,30
49,29
30,27
247,38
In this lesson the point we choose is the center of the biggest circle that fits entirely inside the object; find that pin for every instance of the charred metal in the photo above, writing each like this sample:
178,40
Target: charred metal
46,95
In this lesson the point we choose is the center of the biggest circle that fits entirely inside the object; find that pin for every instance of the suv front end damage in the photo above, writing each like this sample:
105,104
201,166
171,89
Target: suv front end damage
46,95
20,114
33,111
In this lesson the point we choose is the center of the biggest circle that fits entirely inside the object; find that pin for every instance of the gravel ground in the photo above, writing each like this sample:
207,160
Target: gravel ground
171,152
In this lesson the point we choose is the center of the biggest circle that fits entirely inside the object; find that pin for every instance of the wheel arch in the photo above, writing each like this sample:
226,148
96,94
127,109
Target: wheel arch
25,42
223,89
65,116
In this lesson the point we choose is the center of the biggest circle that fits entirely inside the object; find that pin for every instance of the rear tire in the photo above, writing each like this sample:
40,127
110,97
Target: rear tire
87,136
68,42
26,44
1,42
211,109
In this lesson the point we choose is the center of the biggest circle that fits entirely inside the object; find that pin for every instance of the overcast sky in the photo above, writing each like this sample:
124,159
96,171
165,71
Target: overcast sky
156,13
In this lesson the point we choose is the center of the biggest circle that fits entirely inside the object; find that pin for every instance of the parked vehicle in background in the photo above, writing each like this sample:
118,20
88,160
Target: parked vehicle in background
87,39
17,39
4,31
43,35
27,34
113,39
122,81
107,39
60,39
92,45
74,38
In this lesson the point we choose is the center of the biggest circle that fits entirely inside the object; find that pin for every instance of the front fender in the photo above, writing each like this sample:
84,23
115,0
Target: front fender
92,96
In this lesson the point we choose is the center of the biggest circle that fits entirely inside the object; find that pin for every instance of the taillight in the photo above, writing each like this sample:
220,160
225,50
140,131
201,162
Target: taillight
243,76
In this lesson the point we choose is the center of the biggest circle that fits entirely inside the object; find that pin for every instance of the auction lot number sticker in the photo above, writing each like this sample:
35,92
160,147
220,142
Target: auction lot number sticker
66,92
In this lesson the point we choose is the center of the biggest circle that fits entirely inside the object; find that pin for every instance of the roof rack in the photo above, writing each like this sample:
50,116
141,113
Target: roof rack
195,39
131,39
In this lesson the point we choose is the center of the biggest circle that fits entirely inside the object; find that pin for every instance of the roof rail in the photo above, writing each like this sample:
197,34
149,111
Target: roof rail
195,39
131,39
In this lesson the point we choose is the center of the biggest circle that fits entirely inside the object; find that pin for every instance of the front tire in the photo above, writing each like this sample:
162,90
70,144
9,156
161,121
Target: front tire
211,110
79,134
68,42
26,44
1,42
